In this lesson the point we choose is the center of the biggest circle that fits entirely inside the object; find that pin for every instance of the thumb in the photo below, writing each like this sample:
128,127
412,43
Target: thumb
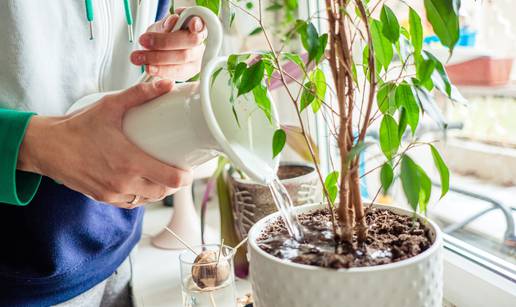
143,92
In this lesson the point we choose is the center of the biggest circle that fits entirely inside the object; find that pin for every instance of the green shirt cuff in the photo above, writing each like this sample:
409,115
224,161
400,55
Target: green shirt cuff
16,187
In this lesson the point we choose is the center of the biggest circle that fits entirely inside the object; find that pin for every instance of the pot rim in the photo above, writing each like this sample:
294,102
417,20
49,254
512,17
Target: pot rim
284,181
258,227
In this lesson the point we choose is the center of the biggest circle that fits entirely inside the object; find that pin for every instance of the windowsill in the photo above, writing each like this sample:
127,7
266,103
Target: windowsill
469,284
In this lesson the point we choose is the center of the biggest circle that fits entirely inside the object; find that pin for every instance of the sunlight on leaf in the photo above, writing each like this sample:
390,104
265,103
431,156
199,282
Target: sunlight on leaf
389,140
443,170
278,142
251,77
386,177
410,181
391,27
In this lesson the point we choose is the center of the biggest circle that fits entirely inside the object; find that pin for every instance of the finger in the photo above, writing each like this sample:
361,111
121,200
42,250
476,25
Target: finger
179,71
141,93
129,205
169,23
179,10
167,57
195,25
169,191
171,41
154,170
147,189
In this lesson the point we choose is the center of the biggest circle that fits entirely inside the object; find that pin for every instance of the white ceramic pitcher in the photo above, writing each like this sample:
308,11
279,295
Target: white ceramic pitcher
195,122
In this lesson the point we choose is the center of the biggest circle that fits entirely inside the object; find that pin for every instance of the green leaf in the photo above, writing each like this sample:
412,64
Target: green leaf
295,58
237,74
278,142
405,97
410,181
262,101
416,31
403,123
332,192
382,46
331,179
323,41
389,139
442,82
424,69
385,98
443,17
249,5
234,59
256,31
426,189
308,95
215,74
319,80
443,170
330,183
430,107
213,5
309,39
356,150
251,77
386,177
391,27
291,4
235,115
274,7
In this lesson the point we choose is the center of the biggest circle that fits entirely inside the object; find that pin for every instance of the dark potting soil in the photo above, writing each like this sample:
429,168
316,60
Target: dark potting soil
292,171
391,238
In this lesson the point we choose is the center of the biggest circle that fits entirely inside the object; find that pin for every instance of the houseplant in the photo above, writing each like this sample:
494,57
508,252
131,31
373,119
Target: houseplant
368,86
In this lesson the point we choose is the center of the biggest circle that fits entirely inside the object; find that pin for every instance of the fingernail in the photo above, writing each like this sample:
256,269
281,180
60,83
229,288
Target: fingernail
146,40
152,69
163,83
198,25
138,58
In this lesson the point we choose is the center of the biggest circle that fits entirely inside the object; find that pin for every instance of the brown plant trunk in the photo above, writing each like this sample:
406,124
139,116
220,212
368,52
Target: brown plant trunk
360,221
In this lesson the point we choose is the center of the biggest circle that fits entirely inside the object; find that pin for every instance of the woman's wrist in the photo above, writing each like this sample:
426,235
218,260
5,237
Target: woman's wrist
36,140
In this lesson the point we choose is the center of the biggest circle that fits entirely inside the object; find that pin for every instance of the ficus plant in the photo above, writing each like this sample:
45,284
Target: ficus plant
365,72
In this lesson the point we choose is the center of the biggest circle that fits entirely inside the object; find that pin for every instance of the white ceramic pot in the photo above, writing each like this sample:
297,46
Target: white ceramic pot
415,282
195,122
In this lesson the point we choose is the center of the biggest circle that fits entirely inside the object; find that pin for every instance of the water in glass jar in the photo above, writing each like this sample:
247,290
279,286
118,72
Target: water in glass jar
223,295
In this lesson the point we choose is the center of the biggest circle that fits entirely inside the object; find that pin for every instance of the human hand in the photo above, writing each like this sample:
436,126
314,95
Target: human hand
88,152
172,55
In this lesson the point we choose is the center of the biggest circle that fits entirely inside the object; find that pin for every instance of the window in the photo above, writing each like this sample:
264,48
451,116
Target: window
479,213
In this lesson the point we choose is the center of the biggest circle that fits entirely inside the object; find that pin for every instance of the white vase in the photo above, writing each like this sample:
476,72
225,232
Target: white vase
414,282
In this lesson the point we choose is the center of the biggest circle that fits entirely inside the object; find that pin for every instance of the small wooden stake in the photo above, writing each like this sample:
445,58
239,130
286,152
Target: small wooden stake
181,240
212,300
240,244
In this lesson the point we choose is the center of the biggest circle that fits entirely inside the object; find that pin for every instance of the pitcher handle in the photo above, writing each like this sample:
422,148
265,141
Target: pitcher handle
212,23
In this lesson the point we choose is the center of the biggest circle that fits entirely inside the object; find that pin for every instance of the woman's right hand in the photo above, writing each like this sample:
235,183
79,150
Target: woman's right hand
88,152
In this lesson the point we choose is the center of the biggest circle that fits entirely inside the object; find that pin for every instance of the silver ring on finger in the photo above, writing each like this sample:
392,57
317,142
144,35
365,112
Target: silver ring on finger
135,200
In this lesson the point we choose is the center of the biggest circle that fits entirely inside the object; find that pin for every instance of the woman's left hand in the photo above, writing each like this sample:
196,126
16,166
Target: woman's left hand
172,55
